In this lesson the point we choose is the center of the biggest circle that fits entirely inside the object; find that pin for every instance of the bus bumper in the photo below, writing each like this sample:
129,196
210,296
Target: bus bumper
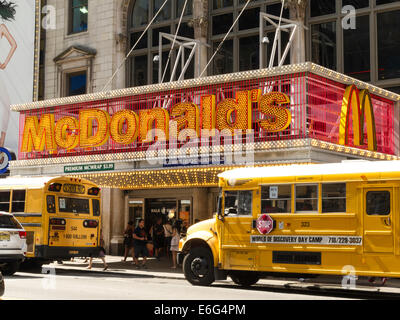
46,252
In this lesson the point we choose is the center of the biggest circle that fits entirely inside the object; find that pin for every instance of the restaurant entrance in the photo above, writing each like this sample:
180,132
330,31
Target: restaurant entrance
178,211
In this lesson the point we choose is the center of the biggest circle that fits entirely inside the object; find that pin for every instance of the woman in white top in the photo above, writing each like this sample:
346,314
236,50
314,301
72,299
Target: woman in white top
174,246
167,236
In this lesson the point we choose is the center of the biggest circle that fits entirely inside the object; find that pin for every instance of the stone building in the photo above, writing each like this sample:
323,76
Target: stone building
86,54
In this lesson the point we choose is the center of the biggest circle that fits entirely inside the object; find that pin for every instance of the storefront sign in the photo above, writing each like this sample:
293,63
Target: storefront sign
95,127
289,107
89,167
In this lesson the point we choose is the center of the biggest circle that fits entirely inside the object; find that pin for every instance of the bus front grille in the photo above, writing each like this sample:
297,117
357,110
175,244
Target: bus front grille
293,257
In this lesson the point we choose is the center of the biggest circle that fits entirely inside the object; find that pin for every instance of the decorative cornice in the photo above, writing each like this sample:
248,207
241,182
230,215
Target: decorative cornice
84,51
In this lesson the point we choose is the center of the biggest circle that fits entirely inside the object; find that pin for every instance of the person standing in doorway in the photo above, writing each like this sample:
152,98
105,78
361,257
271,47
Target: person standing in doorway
139,244
167,237
158,238
128,241
174,246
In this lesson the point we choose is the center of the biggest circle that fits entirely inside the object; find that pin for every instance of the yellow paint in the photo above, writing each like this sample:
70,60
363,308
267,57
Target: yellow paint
378,255
360,104
36,212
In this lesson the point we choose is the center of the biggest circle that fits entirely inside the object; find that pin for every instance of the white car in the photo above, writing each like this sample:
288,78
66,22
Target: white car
12,243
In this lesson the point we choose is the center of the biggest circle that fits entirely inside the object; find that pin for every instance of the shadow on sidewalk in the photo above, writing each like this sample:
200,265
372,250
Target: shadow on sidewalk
115,263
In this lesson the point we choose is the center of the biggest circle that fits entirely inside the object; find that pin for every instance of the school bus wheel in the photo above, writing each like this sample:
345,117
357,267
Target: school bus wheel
10,268
244,278
198,266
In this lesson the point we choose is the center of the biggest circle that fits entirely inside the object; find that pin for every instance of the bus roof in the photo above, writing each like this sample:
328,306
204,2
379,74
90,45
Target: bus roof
326,169
26,182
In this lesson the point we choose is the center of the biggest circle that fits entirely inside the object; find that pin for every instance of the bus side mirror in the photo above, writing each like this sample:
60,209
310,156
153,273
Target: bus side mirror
231,211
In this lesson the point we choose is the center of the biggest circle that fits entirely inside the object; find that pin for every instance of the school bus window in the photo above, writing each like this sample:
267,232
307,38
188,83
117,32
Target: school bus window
378,203
96,207
334,197
73,205
238,202
276,199
18,201
307,198
5,201
51,204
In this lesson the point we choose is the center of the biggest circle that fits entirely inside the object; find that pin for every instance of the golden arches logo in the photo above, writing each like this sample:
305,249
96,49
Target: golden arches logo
360,104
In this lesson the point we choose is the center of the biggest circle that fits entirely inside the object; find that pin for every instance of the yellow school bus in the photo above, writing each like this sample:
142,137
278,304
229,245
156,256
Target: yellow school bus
60,214
333,219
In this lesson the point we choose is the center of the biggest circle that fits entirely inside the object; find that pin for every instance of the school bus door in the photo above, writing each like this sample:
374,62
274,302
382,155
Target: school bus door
378,220
237,225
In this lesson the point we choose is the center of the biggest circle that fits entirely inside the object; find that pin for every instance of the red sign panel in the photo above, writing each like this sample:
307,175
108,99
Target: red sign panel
294,106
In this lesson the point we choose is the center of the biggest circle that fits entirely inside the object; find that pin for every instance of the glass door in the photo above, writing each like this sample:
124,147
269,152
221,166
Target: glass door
136,210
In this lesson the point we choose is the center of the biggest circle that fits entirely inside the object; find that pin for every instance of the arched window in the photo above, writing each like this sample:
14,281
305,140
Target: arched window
142,66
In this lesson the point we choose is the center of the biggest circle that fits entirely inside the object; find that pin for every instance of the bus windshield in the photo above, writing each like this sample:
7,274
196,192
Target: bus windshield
74,205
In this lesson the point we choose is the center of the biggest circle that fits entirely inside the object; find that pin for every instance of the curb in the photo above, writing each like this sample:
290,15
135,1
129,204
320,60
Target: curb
149,274
282,284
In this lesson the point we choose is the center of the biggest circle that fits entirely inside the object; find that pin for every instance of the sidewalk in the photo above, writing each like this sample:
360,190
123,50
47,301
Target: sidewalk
162,269
156,268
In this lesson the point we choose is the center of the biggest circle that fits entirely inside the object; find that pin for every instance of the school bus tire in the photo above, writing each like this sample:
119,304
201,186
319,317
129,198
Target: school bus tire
31,264
244,278
198,266
10,268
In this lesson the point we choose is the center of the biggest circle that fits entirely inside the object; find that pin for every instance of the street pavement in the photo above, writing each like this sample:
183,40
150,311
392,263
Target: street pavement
162,269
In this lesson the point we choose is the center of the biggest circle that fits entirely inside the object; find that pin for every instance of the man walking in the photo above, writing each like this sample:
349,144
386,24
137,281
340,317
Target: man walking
140,240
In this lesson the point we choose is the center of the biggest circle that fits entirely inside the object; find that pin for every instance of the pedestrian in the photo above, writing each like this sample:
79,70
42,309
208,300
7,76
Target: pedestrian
157,231
174,246
184,228
167,236
102,255
128,241
139,244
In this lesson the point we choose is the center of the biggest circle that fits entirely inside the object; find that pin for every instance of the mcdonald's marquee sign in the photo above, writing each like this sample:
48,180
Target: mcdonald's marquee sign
279,107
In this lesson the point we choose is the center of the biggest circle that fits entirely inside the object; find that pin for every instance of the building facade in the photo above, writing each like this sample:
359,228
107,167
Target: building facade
85,67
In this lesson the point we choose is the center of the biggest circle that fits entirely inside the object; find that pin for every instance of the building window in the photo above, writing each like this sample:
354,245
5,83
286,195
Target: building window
78,16
368,52
143,65
356,50
388,45
240,51
323,46
322,7
76,83
358,4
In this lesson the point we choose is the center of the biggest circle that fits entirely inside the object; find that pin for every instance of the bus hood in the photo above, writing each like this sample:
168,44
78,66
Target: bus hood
201,226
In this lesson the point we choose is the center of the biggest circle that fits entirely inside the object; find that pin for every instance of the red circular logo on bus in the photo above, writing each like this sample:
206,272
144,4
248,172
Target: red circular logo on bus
264,224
